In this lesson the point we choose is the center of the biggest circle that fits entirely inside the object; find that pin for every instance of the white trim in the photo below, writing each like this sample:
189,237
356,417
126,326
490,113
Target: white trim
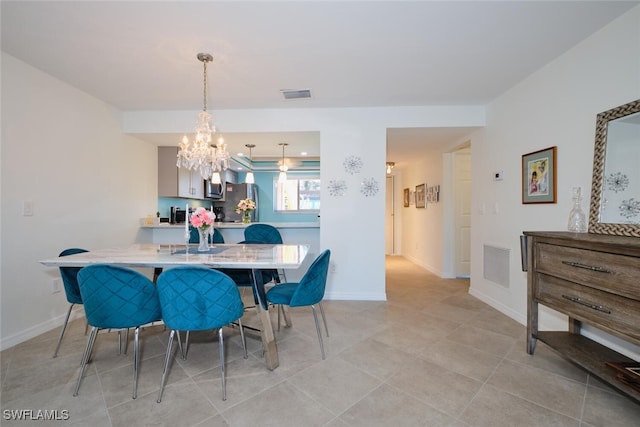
348,296
41,328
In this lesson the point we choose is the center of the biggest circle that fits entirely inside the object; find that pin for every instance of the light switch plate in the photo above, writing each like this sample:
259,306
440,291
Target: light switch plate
27,208
56,285
498,176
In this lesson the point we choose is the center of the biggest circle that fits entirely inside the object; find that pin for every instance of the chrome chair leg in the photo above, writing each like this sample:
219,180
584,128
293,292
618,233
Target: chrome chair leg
85,357
315,317
222,370
136,360
126,341
167,357
64,327
279,308
324,319
180,345
284,310
244,341
119,341
186,347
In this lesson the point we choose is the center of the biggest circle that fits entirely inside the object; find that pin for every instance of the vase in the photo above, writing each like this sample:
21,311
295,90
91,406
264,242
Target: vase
577,217
203,245
246,217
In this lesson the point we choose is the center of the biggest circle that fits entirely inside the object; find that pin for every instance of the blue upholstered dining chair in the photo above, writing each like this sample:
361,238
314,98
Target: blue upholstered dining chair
244,279
308,292
116,298
198,299
263,233
266,233
71,290
194,237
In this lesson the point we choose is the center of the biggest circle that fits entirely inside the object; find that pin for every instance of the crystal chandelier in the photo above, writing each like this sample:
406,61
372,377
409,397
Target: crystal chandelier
282,177
200,154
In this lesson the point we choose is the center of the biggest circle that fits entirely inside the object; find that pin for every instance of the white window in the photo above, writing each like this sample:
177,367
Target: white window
297,195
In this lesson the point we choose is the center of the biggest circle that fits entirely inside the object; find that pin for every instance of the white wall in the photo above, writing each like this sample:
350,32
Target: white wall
352,226
556,106
62,150
422,228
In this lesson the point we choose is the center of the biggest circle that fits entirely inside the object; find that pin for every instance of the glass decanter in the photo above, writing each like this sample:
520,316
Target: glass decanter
577,217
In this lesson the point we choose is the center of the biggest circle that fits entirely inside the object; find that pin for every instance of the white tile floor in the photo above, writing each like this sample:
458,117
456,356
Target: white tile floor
432,355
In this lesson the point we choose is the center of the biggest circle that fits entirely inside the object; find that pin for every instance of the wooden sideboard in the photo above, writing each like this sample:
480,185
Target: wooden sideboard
593,279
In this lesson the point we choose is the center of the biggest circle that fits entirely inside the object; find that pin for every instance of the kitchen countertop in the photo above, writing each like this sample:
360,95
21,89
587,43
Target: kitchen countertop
307,233
241,225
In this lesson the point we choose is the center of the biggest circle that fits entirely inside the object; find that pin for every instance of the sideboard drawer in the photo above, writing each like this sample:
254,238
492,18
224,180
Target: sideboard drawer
601,270
613,313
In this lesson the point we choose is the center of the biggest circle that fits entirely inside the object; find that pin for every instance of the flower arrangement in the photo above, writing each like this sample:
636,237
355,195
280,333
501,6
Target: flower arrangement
245,206
202,219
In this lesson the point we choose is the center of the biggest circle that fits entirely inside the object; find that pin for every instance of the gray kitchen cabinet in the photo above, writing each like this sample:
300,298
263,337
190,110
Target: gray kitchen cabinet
174,181
230,176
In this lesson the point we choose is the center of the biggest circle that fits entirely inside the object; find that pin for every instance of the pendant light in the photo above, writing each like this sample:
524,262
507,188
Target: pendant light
249,179
390,166
282,177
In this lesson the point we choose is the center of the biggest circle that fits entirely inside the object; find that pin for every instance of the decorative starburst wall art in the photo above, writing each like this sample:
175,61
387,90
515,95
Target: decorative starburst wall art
630,209
369,187
352,164
337,187
617,182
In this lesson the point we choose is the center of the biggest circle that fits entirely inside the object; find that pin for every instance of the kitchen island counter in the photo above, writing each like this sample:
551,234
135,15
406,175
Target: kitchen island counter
223,225
233,232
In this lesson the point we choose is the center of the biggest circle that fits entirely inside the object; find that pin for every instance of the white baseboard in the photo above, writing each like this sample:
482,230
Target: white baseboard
438,272
550,320
342,296
498,306
34,331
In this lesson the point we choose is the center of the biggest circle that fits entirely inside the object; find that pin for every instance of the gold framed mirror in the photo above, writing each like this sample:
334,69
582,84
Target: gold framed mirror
615,187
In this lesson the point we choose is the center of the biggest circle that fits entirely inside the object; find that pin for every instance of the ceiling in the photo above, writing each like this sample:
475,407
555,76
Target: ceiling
141,55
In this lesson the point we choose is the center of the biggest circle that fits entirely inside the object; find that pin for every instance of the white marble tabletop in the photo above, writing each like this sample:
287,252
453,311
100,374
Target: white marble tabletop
220,256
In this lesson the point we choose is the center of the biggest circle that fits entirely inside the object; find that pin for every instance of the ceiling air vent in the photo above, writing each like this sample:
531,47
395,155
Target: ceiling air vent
296,94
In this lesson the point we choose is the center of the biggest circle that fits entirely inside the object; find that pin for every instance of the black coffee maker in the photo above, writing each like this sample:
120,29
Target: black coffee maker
219,213
178,216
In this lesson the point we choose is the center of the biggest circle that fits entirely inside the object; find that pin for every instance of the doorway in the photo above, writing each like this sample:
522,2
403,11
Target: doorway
462,212
389,218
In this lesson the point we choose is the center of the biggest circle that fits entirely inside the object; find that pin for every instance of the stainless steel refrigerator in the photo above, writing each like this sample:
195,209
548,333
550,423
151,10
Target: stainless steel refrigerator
233,193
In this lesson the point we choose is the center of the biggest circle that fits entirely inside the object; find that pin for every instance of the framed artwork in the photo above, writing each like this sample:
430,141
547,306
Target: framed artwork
405,197
420,196
539,176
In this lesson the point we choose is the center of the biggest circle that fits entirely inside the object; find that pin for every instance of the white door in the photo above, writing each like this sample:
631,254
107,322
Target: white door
389,217
462,212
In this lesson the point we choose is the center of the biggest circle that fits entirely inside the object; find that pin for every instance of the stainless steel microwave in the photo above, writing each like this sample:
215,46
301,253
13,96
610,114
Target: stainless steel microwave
213,191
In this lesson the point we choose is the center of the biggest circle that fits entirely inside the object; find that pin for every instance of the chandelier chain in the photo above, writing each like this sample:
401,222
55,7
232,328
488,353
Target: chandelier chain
204,92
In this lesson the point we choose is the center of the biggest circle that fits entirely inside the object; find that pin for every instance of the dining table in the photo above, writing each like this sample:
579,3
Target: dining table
255,257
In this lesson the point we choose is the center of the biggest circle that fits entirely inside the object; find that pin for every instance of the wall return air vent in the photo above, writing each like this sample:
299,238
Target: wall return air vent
296,94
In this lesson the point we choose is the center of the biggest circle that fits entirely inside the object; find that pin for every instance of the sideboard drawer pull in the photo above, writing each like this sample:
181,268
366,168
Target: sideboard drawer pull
580,301
587,267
